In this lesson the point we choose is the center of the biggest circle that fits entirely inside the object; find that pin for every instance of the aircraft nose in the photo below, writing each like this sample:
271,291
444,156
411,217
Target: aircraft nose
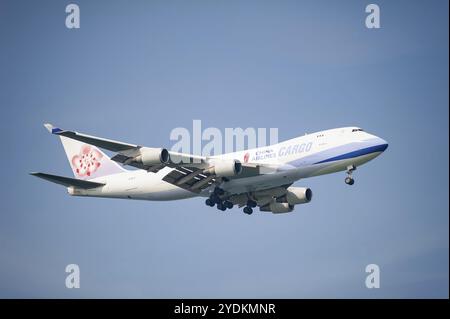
382,144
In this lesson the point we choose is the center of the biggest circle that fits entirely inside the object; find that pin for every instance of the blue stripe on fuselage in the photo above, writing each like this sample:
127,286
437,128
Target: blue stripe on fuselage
360,152
348,150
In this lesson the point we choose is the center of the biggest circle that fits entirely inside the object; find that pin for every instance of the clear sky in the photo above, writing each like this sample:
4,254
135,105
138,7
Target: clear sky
136,70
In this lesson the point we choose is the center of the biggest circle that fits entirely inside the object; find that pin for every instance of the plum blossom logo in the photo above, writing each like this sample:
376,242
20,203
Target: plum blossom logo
87,161
246,157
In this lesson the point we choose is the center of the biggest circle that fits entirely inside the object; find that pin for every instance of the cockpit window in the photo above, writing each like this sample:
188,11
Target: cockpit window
357,130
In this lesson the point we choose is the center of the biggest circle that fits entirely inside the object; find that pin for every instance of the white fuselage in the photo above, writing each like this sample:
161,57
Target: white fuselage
306,156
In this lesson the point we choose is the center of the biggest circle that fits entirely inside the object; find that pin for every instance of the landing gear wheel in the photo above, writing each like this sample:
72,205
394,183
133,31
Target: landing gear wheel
209,202
248,210
219,191
221,206
228,204
349,181
251,203
215,199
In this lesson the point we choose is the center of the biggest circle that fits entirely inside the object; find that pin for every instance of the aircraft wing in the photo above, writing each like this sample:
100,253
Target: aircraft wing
191,172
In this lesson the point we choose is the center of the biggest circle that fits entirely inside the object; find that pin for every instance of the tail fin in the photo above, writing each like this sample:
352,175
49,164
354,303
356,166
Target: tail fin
87,161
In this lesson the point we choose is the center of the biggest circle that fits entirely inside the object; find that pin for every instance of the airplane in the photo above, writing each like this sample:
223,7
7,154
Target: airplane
260,177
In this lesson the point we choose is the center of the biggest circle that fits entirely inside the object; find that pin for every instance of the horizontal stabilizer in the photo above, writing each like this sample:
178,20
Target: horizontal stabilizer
66,181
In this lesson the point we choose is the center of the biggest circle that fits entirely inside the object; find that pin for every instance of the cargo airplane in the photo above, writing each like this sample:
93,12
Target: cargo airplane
260,177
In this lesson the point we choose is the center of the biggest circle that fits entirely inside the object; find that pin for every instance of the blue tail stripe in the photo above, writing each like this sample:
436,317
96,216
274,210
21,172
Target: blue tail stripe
56,130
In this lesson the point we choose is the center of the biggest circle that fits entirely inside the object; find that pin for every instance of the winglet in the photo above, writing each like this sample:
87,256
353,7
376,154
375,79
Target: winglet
52,129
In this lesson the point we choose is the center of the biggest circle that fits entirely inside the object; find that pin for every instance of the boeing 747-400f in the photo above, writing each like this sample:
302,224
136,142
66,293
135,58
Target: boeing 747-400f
257,177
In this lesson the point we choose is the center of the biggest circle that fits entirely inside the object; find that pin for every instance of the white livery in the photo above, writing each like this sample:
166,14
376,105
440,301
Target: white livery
257,177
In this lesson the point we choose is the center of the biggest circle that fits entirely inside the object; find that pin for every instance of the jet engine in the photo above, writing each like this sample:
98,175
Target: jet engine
297,195
279,208
153,156
286,203
225,168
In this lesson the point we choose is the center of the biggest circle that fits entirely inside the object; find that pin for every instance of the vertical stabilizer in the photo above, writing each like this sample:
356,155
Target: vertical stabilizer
87,161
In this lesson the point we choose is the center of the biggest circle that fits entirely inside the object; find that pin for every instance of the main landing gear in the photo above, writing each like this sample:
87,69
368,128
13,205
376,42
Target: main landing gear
249,208
224,204
349,179
214,199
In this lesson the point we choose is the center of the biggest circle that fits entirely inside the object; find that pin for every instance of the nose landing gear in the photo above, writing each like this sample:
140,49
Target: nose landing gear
349,179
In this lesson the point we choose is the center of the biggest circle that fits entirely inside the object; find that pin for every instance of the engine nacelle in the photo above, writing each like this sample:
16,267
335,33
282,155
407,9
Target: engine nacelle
226,168
153,156
279,208
298,195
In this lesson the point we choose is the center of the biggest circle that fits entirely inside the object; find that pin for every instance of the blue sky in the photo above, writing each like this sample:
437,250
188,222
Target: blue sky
134,71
